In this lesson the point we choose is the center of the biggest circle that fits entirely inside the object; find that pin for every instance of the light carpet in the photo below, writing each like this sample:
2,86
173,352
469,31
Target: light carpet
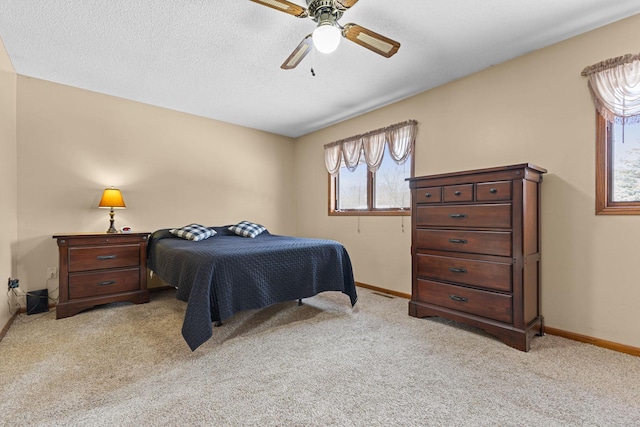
321,364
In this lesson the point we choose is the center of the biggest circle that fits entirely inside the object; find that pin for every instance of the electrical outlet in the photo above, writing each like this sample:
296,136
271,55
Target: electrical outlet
13,283
52,273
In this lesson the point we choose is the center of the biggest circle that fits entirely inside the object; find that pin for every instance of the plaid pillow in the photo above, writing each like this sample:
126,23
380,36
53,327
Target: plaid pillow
247,229
195,232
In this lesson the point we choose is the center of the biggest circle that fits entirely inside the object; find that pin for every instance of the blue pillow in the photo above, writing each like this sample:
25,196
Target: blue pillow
195,232
247,229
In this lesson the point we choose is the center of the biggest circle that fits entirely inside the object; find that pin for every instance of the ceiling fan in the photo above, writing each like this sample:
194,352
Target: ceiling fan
326,36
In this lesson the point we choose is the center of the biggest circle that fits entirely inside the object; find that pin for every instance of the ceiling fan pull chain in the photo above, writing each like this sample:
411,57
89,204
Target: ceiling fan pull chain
313,62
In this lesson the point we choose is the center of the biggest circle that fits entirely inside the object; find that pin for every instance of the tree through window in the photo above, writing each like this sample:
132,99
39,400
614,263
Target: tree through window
625,162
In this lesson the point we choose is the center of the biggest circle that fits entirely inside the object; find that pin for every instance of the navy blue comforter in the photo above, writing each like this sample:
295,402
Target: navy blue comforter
226,273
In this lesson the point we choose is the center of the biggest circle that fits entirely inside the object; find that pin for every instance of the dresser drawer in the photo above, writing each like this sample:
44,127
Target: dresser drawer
490,275
482,303
479,242
458,193
429,195
488,191
487,216
102,257
82,285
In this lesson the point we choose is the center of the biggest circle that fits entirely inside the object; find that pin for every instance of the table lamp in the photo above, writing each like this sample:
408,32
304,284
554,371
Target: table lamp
112,199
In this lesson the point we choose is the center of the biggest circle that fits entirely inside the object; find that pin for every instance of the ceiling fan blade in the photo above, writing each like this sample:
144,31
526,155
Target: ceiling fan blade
285,6
298,54
373,41
346,4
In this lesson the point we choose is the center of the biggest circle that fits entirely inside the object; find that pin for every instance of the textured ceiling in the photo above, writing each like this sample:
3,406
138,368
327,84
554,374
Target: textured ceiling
221,58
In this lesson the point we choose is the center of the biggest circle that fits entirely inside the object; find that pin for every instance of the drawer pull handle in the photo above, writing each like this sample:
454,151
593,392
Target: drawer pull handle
457,193
427,195
457,270
457,298
106,282
458,241
458,215
493,190
101,257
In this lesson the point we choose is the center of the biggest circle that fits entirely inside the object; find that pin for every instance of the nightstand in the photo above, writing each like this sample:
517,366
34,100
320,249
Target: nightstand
99,268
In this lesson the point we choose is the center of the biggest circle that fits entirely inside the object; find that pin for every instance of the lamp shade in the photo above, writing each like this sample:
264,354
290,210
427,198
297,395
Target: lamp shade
111,198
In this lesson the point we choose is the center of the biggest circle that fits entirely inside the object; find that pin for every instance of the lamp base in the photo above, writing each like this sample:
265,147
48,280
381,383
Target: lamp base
111,229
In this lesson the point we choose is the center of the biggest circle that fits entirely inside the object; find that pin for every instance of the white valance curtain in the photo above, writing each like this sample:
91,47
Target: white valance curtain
400,138
615,88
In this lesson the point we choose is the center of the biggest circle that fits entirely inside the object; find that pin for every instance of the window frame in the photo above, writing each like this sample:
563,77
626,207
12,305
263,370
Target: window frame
604,173
370,211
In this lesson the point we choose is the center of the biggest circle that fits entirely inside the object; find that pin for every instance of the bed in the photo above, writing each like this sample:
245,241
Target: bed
227,273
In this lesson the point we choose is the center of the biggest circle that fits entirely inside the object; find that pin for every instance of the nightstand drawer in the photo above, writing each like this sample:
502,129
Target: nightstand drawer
106,239
482,303
490,275
487,216
84,285
478,242
102,257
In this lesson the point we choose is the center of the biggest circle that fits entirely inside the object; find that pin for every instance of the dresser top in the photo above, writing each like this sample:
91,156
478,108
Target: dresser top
529,166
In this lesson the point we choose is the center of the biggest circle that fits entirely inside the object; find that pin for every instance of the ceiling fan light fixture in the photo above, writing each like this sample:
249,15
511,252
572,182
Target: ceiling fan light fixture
326,38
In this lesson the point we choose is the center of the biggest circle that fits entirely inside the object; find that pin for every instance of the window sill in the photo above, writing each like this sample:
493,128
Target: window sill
619,210
404,212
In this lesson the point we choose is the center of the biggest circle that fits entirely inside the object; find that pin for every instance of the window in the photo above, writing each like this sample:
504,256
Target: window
367,173
352,188
384,192
390,188
617,168
615,88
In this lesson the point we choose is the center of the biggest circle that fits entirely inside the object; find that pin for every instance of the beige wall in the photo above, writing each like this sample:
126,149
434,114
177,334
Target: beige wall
8,178
172,168
72,143
533,109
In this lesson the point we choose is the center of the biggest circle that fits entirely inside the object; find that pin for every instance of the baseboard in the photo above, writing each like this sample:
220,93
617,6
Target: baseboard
383,290
8,325
622,348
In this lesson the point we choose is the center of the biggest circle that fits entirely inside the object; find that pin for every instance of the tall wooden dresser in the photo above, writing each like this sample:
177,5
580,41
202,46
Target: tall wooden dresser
476,250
